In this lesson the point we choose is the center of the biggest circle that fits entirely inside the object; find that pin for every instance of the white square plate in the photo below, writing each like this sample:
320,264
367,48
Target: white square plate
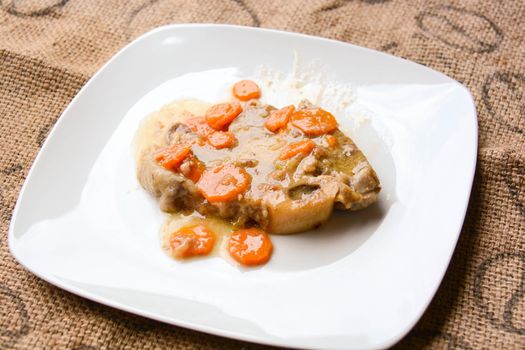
362,281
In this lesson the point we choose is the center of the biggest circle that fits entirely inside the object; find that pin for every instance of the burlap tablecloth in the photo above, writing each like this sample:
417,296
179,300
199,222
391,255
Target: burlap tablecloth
49,48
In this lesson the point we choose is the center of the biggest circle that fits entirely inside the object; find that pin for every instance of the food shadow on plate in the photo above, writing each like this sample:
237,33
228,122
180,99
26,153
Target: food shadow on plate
345,231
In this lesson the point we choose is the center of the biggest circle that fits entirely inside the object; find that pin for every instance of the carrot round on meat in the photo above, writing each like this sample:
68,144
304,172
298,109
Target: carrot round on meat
278,118
246,90
250,246
314,121
217,139
196,168
331,140
199,126
222,139
171,157
223,183
220,116
191,241
303,147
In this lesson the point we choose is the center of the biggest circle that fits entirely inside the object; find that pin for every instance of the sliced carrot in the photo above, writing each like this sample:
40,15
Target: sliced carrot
218,139
222,139
314,121
171,157
246,90
303,147
331,140
220,116
191,241
250,246
199,126
223,183
196,170
279,118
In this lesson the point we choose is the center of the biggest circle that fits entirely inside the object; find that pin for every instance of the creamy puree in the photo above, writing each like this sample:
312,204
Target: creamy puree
176,221
151,130
151,134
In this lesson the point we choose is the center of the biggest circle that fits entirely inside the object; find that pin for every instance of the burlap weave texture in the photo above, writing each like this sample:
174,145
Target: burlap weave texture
49,48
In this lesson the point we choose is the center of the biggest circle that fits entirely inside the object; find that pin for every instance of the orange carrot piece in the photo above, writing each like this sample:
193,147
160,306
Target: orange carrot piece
199,126
331,140
191,241
246,90
220,116
196,170
303,147
223,183
222,139
279,118
314,121
171,157
250,246
218,139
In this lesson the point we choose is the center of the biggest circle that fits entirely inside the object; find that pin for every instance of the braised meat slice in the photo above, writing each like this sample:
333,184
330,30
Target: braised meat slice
297,176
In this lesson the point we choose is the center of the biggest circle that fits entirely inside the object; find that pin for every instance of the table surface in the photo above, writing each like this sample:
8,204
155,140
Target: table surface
49,49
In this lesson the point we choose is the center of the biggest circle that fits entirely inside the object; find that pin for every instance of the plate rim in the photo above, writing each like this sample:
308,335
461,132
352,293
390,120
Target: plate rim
270,340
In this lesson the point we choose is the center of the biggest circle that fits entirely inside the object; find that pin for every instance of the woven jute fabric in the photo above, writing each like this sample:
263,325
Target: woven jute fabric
49,48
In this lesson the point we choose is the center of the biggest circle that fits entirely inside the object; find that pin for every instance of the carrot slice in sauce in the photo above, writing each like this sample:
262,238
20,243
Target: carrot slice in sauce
220,116
331,140
222,139
171,157
279,118
250,246
218,139
223,183
199,126
303,147
196,170
314,121
246,90
191,241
